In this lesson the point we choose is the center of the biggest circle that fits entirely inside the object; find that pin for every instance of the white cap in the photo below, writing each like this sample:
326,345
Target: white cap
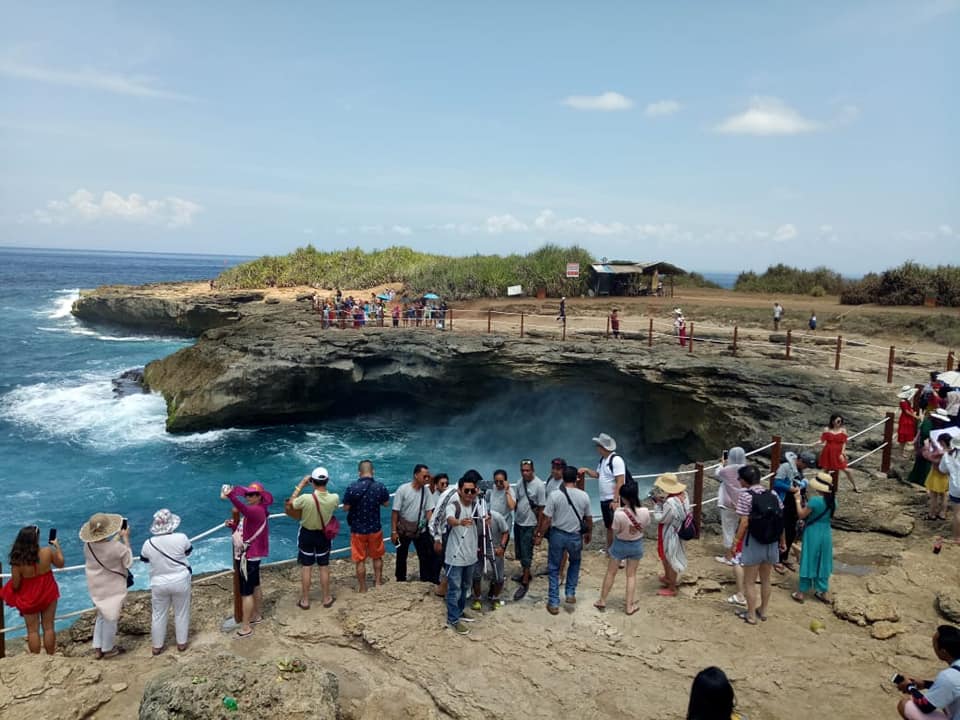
320,473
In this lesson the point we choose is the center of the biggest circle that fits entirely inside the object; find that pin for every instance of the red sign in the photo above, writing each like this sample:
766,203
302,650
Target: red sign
573,270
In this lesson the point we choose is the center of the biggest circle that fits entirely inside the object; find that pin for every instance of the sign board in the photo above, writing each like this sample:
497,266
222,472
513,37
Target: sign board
514,290
573,270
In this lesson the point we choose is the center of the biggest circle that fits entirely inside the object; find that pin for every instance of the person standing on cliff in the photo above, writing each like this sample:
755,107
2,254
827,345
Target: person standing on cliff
615,323
362,503
567,518
412,510
531,496
460,549
562,317
611,473
313,548
777,315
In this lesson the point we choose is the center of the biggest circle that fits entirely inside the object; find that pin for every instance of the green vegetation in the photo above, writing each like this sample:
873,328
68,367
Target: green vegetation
792,281
457,278
695,280
909,284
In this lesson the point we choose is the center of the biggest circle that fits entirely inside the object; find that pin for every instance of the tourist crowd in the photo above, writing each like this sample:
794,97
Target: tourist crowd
343,312
461,532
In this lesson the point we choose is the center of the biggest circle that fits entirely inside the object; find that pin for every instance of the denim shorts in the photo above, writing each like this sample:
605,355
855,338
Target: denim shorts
626,549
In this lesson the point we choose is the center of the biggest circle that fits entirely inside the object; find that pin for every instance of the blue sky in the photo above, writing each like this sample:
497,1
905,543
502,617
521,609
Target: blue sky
718,136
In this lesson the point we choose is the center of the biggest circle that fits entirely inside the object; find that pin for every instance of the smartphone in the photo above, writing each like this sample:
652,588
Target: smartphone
52,536
897,679
726,454
123,525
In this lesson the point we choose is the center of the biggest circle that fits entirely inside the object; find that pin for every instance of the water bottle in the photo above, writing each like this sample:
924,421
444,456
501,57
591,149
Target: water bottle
230,703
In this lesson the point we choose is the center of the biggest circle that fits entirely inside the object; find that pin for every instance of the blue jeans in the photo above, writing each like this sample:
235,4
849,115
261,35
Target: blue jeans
459,582
572,543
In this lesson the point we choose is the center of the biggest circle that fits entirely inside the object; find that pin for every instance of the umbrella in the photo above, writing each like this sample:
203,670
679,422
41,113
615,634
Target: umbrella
951,378
383,296
431,296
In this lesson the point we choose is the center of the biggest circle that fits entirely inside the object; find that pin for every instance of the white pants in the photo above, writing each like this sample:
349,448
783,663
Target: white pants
161,597
104,633
729,522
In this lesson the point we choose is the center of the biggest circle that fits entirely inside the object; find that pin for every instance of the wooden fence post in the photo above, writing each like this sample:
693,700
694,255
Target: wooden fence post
836,362
489,319
775,456
3,635
564,336
888,443
950,361
698,498
607,334
789,341
451,318
735,332
650,334
521,323
690,348
893,352
237,601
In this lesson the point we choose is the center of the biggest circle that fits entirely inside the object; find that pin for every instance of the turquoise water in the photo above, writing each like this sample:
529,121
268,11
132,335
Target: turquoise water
69,448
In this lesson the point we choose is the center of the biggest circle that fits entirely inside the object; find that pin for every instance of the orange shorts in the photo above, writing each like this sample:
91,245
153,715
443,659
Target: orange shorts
367,546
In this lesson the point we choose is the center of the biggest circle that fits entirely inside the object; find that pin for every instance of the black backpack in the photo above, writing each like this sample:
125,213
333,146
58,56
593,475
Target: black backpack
766,517
627,477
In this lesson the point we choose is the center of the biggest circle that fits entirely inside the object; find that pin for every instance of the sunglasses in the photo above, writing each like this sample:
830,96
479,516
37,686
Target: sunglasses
252,494
469,491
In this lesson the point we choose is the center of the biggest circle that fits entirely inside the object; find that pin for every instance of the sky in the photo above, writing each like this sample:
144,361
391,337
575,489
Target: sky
716,136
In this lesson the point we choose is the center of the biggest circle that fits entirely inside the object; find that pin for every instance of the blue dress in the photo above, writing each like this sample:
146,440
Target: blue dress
816,559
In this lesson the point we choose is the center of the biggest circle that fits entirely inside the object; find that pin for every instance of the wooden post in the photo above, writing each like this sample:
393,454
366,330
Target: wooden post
237,601
836,362
950,361
893,352
698,497
451,317
671,286
835,474
650,334
690,347
521,324
607,334
789,341
735,332
564,336
775,456
888,439
489,319
3,635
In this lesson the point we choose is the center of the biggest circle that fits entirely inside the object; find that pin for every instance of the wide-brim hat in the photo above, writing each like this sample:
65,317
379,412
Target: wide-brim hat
265,497
100,526
941,414
907,392
164,522
823,482
669,483
605,441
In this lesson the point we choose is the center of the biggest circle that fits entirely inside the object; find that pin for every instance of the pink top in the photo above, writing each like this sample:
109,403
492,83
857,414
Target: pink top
253,517
623,527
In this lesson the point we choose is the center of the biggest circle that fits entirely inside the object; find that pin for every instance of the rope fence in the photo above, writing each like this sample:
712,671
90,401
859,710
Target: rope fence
699,471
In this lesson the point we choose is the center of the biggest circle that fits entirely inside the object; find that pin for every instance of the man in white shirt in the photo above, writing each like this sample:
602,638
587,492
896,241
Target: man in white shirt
567,518
460,554
611,474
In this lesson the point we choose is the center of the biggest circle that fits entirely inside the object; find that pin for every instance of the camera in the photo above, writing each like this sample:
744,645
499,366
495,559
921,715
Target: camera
897,679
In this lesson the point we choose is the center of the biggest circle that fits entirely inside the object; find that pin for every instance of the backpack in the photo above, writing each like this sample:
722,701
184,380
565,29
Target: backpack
688,530
766,517
627,477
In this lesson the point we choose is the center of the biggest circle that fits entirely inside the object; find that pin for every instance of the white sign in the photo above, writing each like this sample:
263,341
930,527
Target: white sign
515,290
573,270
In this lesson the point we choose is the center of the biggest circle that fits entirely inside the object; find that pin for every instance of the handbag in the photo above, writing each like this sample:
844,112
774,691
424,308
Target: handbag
240,546
129,575
330,529
410,529
584,528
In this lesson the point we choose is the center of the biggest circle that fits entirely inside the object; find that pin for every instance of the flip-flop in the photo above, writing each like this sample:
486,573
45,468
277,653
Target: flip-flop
302,606
762,616
634,610
257,621
112,653
780,568
798,597
241,634
666,592
742,614
822,597
330,603
156,651
599,606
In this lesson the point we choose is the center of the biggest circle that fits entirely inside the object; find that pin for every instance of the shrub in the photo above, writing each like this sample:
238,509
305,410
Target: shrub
790,281
909,284
817,291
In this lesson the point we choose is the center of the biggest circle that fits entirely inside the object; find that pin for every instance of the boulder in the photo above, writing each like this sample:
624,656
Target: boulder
196,690
863,609
885,630
948,605
53,688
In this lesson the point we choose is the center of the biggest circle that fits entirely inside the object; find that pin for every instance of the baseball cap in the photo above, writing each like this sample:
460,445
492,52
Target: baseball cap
320,474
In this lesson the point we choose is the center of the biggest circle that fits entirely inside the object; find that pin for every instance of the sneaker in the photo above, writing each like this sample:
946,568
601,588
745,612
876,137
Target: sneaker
722,560
477,605
497,604
460,629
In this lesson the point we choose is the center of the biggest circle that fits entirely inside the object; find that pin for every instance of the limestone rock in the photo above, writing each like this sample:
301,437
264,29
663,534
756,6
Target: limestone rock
884,630
119,687
878,609
53,688
948,605
259,687
864,610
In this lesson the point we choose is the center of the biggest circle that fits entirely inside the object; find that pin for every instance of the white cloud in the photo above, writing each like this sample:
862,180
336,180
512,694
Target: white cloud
605,102
946,230
785,232
547,221
90,79
497,224
83,206
371,229
401,230
767,116
934,9
661,108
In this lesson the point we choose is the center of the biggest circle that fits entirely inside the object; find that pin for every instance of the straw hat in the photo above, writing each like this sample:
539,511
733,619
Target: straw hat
823,482
100,527
669,484
907,392
164,522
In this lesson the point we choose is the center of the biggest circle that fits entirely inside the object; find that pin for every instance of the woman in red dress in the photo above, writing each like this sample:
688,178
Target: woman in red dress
907,423
833,456
32,588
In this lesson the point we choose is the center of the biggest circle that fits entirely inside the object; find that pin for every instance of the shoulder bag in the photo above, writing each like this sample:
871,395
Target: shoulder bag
410,529
330,529
128,575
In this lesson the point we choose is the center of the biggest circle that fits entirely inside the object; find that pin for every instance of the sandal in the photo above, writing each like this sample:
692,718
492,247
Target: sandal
762,616
780,568
743,615
181,647
302,606
257,621
156,651
242,634
111,653
330,602
798,596
633,610
600,606
735,600
666,592
822,597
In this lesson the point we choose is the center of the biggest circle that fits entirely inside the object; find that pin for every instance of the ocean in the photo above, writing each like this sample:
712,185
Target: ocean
69,448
